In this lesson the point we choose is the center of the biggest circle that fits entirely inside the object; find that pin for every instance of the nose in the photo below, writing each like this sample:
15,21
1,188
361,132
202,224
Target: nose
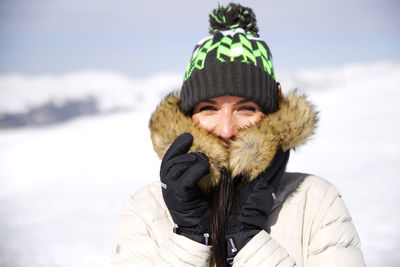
226,127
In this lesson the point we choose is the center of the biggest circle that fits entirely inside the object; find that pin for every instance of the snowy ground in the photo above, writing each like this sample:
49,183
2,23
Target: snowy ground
62,187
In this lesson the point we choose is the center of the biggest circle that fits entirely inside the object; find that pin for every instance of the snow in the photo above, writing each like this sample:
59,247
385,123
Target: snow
62,187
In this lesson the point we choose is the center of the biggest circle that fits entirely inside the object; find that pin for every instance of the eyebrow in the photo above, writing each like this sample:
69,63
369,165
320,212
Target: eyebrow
243,101
237,103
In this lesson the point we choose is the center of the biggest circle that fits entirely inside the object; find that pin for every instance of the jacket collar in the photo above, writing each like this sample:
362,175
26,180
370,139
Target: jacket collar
252,150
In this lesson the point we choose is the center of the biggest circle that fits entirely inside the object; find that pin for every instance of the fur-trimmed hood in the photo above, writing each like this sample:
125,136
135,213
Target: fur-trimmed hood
251,151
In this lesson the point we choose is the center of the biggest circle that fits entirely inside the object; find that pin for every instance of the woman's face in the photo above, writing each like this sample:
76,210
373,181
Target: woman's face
225,116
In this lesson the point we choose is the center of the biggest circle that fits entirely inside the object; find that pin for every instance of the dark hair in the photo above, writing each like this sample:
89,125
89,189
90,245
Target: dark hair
223,203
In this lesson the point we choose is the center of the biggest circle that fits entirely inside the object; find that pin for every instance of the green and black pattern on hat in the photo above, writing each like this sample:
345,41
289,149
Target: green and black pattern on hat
232,61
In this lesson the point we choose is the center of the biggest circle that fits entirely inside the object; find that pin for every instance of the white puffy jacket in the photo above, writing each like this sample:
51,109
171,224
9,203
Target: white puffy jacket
310,227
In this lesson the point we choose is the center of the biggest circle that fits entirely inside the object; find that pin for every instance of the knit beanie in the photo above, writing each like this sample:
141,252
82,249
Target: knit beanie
232,61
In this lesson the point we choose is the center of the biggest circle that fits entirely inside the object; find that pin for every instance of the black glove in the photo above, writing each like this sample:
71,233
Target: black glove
188,205
254,206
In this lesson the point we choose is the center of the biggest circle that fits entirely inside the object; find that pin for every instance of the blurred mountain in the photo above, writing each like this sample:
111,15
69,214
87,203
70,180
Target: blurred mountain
43,100
50,113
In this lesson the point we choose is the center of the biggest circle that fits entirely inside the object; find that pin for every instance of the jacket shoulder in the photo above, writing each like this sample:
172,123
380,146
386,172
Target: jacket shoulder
306,180
320,200
315,205
331,219
148,202
294,183
319,194
152,191
324,194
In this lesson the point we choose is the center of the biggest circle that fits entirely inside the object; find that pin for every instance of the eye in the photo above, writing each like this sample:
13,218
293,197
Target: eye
205,108
248,108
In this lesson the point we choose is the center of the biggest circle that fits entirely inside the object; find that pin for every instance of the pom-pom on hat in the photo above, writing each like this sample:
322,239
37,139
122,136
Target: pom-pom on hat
232,61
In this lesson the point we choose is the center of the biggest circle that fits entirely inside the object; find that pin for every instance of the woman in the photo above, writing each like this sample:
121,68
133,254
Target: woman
224,197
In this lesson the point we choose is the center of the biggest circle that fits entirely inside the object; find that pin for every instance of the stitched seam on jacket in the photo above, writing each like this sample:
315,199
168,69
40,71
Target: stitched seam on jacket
195,256
282,260
279,262
333,246
344,220
319,211
304,260
259,248
163,259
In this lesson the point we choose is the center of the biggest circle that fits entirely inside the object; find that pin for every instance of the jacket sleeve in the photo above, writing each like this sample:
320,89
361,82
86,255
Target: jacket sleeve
333,240
135,245
262,250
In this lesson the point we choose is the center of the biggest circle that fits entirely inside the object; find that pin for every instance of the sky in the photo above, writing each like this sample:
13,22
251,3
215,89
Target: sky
140,38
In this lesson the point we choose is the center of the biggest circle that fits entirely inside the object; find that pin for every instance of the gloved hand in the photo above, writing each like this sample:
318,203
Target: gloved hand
180,171
254,206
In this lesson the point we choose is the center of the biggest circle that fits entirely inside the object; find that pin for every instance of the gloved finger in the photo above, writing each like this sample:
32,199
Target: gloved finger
175,172
181,145
185,158
193,174
200,156
175,167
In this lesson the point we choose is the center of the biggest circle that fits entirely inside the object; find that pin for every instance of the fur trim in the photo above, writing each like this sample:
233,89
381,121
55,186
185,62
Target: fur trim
168,122
251,151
